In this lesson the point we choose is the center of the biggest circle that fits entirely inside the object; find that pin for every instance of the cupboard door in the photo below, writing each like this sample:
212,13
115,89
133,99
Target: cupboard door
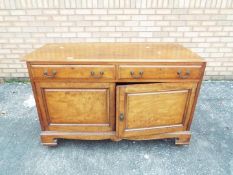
77,106
144,109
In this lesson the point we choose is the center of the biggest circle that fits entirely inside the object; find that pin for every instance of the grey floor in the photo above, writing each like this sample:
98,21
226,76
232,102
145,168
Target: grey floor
210,151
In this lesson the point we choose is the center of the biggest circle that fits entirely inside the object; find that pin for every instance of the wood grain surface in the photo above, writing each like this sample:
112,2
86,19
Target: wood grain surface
108,52
135,91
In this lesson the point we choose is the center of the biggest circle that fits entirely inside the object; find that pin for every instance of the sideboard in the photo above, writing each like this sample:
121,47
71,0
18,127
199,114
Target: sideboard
134,91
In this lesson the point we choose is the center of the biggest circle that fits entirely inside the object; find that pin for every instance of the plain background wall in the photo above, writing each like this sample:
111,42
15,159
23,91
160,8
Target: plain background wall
204,26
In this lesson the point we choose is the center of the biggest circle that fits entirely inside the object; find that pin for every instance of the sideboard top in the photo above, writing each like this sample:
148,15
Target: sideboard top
113,52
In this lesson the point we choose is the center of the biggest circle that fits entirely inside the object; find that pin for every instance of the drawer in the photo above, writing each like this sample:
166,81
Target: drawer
73,71
159,72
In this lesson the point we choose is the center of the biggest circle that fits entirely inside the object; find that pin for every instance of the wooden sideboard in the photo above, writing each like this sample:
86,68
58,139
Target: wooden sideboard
134,91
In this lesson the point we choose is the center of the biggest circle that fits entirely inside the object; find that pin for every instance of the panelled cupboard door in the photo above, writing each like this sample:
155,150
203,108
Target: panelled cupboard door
85,107
144,109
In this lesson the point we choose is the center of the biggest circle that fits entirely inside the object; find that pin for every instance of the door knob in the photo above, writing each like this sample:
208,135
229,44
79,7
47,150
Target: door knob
121,117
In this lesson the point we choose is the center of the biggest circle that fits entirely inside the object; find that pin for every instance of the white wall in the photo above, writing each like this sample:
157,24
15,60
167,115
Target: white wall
205,26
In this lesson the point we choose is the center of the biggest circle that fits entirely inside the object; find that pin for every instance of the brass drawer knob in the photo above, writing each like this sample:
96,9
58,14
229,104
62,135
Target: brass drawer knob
187,74
52,75
93,74
140,74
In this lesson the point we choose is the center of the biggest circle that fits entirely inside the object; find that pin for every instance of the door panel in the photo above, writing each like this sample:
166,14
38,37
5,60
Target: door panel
83,106
77,106
154,108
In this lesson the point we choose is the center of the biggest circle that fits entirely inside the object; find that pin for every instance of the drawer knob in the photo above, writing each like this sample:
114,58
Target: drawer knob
52,75
187,74
136,76
93,74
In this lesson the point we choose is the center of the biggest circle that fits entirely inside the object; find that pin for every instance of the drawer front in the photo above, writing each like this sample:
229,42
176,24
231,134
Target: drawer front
159,72
73,71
